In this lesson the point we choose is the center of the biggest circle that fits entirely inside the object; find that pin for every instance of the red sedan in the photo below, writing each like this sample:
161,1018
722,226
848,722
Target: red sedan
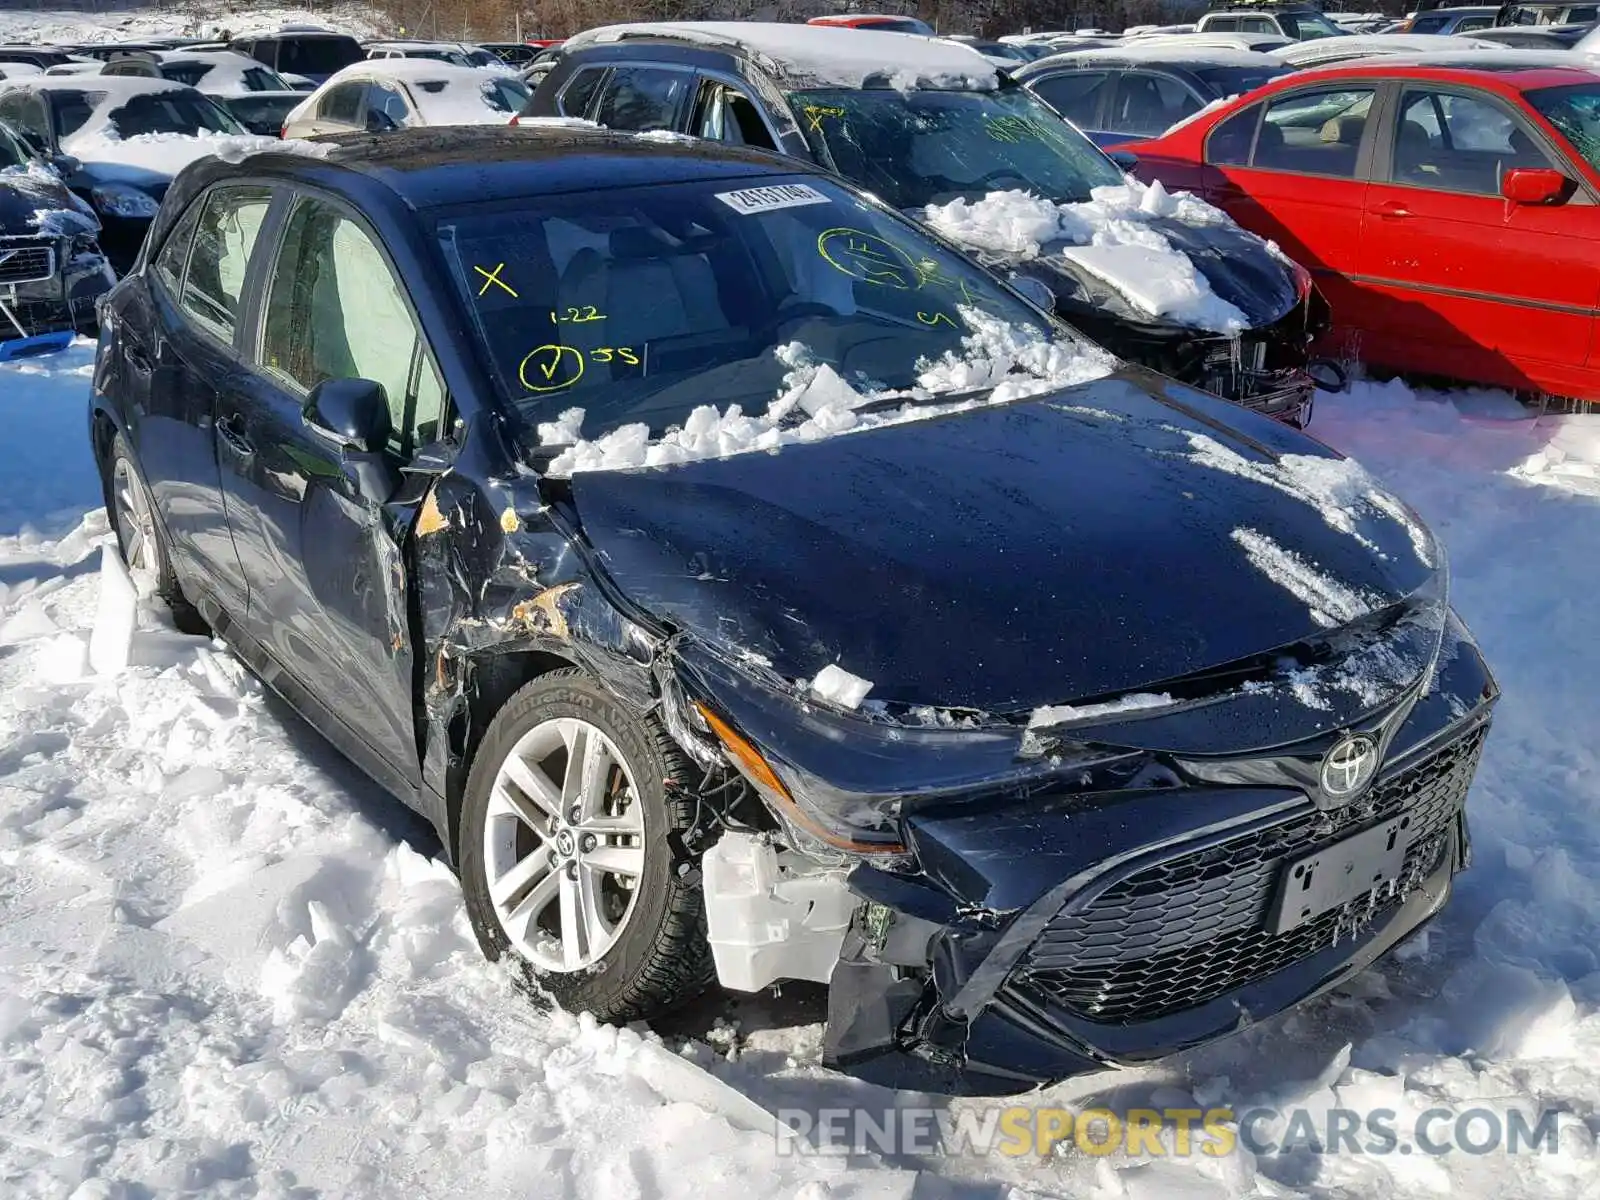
1448,205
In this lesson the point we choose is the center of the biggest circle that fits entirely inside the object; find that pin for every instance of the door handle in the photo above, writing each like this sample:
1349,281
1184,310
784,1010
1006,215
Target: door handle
231,430
1392,208
137,358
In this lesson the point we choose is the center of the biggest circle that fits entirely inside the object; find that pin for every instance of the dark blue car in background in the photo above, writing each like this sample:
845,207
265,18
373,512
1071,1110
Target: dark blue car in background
1060,714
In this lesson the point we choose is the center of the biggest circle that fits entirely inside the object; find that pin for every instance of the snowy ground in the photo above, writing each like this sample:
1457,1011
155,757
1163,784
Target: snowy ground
230,967
67,27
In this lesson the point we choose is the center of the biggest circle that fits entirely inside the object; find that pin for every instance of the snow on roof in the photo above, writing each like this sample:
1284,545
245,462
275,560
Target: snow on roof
226,73
1165,52
442,93
1359,44
822,55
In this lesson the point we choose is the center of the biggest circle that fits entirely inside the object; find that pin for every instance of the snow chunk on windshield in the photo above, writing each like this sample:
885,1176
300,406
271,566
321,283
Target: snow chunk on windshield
1108,235
834,683
1001,362
1331,603
1056,714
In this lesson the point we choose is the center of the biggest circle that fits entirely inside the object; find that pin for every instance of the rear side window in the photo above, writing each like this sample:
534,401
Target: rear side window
1314,132
318,55
642,98
73,109
1075,95
223,241
579,93
1229,143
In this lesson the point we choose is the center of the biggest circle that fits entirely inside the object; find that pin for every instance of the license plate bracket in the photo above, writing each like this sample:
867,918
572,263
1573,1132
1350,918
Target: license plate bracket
1335,875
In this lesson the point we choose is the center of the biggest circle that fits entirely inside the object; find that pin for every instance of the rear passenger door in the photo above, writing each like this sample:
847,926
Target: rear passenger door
1294,169
1455,275
637,97
183,366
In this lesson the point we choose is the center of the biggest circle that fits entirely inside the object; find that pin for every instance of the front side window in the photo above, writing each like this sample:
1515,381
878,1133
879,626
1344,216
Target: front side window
639,305
342,103
1314,132
579,93
930,147
642,98
728,115
505,95
1458,143
1148,104
336,311
1575,113
72,110
229,224
174,257
1307,26
1075,95
185,112
386,108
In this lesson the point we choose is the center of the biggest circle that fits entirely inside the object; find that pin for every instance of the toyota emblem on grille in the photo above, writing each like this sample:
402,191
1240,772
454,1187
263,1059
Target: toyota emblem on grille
1349,767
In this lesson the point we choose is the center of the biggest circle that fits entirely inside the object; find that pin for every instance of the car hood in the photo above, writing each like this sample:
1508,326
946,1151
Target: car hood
1102,540
1241,268
25,194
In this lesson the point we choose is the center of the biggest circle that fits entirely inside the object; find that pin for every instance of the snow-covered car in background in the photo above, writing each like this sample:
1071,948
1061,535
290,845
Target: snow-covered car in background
382,95
119,141
51,268
254,94
749,587
301,53
937,132
458,54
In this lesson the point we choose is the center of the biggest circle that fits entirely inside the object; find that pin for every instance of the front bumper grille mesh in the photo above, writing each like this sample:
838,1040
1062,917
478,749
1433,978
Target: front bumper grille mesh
1186,930
27,260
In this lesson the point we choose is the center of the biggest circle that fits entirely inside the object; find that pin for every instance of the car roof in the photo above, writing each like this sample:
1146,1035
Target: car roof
447,166
813,55
1517,70
1177,56
114,86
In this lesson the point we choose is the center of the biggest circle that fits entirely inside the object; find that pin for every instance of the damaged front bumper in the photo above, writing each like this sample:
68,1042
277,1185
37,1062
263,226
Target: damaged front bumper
49,285
1054,935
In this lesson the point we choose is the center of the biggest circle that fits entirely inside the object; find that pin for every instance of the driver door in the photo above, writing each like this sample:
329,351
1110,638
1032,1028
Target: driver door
316,525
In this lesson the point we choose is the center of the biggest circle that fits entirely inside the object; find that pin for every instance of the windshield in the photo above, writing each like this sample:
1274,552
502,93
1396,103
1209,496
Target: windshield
1307,26
1236,81
640,305
171,112
930,147
1575,112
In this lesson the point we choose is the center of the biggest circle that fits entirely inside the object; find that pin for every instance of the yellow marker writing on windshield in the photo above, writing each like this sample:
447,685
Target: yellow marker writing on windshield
492,279
937,318
553,367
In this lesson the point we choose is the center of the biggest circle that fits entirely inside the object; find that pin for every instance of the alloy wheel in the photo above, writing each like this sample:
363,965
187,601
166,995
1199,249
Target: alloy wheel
136,528
563,845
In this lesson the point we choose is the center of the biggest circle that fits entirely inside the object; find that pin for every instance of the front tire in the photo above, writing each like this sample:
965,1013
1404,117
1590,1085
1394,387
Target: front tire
564,852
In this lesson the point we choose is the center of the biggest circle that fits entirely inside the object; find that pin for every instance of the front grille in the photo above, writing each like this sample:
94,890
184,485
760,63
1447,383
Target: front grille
27,260
1186,930
42,316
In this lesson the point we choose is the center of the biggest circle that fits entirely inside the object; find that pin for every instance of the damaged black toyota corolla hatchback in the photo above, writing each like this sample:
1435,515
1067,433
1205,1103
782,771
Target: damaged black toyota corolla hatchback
749,588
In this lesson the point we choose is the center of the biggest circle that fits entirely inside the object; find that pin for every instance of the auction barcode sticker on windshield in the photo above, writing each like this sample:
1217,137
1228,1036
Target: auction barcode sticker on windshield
775,196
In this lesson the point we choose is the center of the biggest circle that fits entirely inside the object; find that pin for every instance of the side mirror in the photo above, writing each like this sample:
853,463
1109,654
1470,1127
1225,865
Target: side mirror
353,412
1534,185
1126,159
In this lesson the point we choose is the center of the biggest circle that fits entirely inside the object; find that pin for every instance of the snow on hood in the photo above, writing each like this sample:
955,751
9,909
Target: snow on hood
1110,236
1009,363
35,194
823,56
168,153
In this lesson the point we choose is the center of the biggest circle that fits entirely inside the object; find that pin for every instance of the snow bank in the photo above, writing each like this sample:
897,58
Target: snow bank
1108,235
1010,363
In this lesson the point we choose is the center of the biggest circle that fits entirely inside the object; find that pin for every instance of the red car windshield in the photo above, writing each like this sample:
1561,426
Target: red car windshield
1575,112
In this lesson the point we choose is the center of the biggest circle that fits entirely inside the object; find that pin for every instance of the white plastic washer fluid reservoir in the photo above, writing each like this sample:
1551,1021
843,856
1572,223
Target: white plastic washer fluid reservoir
771,916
